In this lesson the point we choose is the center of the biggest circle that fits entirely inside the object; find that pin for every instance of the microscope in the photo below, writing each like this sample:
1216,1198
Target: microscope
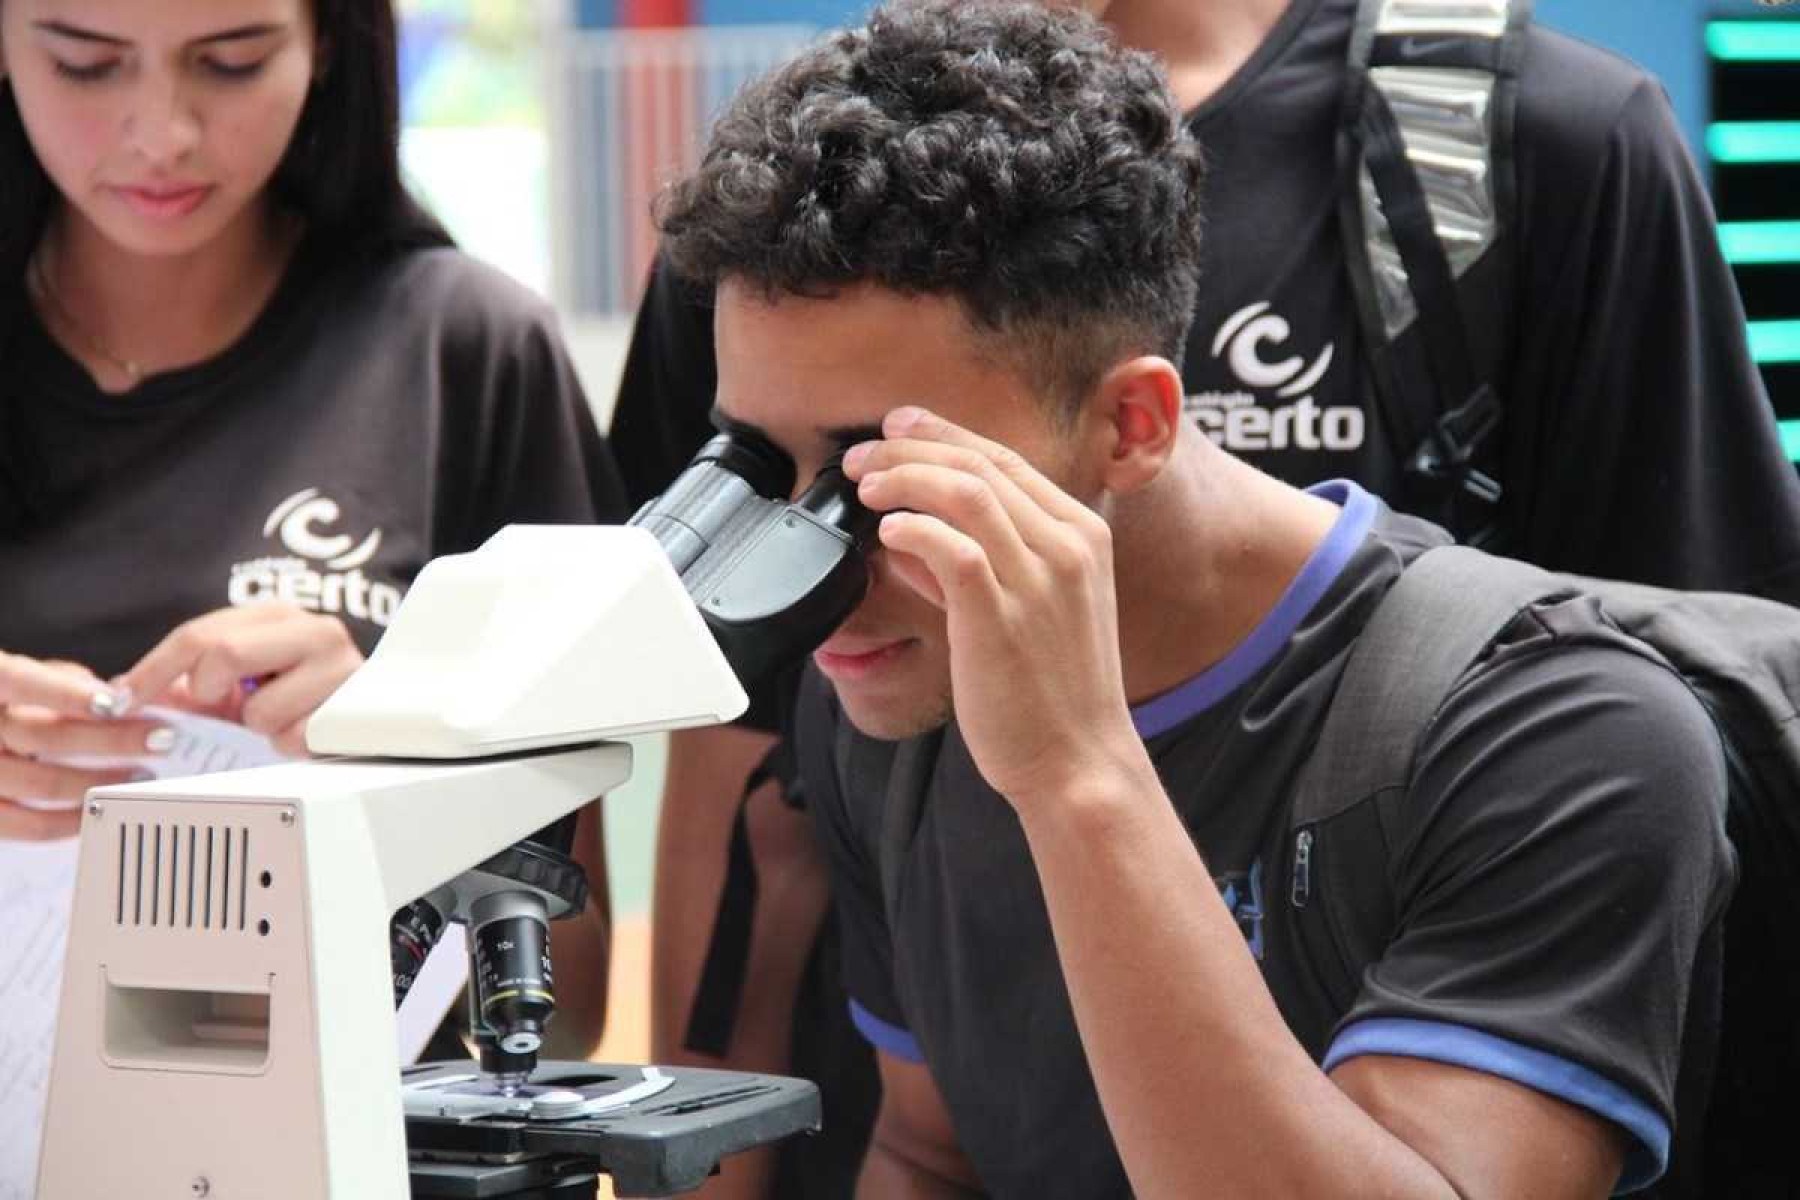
226,1025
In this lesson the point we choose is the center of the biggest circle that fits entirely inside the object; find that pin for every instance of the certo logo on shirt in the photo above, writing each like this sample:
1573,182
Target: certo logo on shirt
322,569
1273,407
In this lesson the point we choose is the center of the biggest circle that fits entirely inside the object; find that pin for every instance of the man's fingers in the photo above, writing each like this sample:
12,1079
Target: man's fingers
40,733
967,501
956,561
27,681
19,823
925,425
916,575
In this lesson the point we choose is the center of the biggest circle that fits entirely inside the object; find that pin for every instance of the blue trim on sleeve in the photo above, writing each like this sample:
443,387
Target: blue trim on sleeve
1460,1046
890,1039
1187,700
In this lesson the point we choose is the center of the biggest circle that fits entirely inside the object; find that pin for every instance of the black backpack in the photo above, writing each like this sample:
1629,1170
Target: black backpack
1741,657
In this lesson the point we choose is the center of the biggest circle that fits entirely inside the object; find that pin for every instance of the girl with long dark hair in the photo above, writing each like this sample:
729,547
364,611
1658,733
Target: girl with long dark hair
247,388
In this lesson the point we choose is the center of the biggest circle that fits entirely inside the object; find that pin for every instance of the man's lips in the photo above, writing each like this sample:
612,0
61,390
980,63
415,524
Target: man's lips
854,658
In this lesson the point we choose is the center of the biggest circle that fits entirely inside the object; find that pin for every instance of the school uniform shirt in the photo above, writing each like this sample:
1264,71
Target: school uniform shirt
1558,872
1637,440
376,415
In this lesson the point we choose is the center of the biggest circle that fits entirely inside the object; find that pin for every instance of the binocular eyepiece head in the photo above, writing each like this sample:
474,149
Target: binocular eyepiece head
771,577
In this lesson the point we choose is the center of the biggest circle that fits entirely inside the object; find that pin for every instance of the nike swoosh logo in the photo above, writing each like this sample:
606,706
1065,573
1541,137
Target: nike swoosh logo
1413,47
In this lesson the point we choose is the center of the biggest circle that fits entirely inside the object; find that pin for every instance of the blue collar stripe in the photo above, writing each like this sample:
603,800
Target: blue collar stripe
1270,637
890,1039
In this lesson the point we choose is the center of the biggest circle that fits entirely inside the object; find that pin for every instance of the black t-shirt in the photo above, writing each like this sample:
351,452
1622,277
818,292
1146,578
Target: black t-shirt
1558,869
376,415
1637,442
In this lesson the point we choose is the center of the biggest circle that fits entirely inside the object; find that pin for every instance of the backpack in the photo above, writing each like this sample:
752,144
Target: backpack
1426,202
1740,656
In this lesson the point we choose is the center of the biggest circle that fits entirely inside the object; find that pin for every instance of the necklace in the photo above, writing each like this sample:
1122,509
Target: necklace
40,285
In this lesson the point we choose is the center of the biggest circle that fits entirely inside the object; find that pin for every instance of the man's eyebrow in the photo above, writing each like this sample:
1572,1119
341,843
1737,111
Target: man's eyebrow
841,436
78,34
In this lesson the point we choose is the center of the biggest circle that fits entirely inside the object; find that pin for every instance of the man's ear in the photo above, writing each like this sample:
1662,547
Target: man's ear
1136,417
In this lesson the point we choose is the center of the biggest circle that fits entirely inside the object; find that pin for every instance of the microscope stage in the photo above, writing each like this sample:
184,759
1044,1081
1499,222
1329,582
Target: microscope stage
657,1131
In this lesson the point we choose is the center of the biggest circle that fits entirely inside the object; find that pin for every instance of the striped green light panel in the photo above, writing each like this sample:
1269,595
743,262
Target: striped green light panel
1754,41
1790,439
1754,141
1775,341
1750,243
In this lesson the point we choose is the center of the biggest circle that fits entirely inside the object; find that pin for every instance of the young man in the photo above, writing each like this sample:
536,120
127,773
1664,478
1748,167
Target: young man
1052,753
1636,440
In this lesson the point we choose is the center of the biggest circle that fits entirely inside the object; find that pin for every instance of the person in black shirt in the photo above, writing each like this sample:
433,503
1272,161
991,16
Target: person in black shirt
248,388
1051,753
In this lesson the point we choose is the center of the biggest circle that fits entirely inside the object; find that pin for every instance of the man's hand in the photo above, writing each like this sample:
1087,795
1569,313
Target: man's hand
51,711
266,666
1024,574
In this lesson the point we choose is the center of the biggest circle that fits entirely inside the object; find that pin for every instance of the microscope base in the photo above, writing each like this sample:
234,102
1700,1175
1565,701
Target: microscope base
666,1141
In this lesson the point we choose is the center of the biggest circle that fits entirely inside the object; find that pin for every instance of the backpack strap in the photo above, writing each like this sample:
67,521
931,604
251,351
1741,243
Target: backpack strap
718,996
1425,149
1446,608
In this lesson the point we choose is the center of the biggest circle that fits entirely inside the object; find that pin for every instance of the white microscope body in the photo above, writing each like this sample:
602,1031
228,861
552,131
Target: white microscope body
226,1026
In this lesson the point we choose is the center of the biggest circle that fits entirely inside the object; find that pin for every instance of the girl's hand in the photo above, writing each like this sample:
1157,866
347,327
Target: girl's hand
49,712
265,666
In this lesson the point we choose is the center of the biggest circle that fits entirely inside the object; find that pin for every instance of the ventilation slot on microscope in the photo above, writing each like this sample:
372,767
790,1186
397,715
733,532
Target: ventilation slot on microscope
174,876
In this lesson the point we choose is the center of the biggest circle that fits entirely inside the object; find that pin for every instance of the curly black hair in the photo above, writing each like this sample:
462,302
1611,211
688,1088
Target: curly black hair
1003,152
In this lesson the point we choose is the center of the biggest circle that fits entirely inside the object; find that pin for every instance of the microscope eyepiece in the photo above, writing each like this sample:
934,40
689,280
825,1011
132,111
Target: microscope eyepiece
771,578
734,473
831,500
753,458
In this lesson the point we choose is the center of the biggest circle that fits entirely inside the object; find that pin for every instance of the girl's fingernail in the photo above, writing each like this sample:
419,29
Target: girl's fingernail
160,740
110,702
